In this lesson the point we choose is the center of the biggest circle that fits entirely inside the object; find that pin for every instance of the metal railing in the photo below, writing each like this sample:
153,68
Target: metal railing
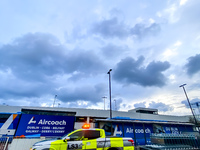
174,142
4,141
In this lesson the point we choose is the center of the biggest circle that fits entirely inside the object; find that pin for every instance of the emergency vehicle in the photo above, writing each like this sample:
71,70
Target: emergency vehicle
86,139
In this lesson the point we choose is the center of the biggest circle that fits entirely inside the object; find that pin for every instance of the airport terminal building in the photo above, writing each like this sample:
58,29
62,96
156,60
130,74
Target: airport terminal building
89,115
139,123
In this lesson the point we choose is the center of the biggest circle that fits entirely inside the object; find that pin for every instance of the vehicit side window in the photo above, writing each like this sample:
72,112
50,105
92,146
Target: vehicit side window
77,136
92,134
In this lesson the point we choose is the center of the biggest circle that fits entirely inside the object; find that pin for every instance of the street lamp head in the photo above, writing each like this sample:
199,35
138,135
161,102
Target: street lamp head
109,71
182,85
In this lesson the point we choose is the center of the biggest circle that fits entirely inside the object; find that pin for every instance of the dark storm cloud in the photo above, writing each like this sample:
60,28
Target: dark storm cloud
92,94
34,61
31,56
20,89
114,28
193,65
131,71
36,56
160,106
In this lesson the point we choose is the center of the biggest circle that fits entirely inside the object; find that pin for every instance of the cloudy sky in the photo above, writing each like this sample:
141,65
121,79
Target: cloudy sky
66,48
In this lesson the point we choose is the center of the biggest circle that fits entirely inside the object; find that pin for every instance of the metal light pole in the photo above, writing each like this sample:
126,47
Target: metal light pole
110,93
54,100
189,102
115,105
104,101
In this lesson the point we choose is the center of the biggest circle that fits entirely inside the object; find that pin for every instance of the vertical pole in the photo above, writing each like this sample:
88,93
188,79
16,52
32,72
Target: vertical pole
144,134
110,93
115,105
54,100
88,119
135,143
104,101
188,102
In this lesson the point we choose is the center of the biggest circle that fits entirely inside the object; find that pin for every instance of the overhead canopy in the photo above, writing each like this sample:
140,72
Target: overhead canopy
143,121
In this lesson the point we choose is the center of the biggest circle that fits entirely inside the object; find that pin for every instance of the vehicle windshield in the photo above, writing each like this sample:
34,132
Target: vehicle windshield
63,137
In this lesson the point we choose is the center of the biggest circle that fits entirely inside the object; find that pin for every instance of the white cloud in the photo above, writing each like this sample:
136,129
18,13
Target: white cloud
172,51
183,2
178,43
159,14
139,19
170,12
151,21
169,53
197,38
172,78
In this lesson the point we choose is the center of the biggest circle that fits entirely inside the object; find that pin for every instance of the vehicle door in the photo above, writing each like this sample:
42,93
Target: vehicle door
92,140
73,141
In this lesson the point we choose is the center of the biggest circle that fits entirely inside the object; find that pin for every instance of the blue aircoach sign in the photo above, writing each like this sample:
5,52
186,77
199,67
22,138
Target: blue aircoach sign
44,125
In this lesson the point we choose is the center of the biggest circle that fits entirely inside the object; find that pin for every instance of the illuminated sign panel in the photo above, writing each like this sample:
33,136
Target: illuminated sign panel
44,125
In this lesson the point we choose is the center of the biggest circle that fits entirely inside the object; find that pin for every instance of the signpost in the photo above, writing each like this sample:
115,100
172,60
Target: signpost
44,125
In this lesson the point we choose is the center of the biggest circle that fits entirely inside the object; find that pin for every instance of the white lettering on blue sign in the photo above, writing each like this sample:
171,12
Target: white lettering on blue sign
174,130
44,122
147,130
47,122
116,131
32,120
139,131
129,130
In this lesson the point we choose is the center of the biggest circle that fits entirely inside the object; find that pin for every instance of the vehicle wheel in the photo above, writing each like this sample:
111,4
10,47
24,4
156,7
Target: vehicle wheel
113,149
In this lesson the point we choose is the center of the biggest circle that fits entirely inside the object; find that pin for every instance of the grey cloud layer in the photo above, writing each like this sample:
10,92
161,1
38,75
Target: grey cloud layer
140,30
131,71
194,103
113,51
35,56
91,93
35,60
111,28
160,106
193,65
142,104
156,105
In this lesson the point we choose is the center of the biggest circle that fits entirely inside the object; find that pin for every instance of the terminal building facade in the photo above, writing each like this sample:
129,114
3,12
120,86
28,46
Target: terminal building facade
89,115
139,123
